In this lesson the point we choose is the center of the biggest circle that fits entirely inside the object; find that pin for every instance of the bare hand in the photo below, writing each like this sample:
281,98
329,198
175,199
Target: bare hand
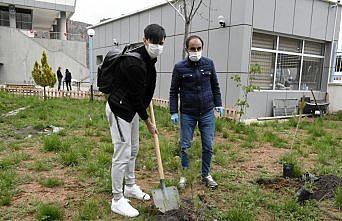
151,128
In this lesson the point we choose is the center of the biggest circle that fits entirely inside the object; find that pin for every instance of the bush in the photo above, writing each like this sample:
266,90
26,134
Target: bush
50,211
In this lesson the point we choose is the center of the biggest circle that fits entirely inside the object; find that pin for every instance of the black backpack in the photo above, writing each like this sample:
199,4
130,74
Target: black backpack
107,72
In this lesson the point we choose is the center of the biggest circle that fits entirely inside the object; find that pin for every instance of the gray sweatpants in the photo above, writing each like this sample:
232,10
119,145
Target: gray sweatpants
125,138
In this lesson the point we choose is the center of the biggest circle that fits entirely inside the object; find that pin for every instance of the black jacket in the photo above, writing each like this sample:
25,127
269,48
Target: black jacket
68,76
197,85
134,86
59,75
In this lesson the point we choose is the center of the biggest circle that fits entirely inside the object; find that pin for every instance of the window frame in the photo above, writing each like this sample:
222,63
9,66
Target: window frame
302,54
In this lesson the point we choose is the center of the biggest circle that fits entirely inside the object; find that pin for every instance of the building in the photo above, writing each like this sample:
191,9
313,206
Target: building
291,40
27,27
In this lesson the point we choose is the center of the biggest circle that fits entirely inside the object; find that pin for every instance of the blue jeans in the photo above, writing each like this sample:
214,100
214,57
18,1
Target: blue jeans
206,125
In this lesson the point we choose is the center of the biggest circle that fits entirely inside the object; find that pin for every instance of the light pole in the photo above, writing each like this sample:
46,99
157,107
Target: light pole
91,34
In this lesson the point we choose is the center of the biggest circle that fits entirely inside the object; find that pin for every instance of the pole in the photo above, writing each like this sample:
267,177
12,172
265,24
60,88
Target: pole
331,66
91,67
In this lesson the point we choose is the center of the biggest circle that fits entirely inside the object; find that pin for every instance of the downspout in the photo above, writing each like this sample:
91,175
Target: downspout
332,51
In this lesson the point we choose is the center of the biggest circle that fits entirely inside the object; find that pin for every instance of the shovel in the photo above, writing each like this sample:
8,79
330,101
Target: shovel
165,198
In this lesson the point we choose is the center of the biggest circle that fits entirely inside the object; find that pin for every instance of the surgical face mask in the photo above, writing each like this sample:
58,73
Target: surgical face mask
195,55
154,50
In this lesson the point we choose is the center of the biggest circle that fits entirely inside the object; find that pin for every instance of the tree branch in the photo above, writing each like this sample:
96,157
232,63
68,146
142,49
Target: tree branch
198,6
187,18
192,8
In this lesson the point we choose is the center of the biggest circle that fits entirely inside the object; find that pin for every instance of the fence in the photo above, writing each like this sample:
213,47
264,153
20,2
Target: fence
30,90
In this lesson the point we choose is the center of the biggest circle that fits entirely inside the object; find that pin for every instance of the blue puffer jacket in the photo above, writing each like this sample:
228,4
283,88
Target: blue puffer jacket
197,85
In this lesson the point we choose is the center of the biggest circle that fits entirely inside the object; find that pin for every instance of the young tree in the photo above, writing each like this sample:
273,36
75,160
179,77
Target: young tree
43,74
242,103
188,9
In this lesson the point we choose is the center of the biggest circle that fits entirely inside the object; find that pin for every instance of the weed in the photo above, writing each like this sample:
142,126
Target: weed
8,180
89,210
13,159
50,182
237,214
225,134
291,210
338,197
219,125
52,143
272,138
70,158
50,211
40,166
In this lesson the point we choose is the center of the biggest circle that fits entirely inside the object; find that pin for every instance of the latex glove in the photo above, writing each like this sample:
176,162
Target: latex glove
220,110
174,118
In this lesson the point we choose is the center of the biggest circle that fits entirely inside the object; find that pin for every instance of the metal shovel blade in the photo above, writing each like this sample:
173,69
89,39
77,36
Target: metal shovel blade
166,198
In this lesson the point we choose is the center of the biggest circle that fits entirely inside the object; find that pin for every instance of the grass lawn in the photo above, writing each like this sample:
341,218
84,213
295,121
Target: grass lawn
66,176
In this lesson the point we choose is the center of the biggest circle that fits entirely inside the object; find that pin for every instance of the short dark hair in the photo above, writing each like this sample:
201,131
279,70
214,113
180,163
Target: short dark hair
193,37
155,33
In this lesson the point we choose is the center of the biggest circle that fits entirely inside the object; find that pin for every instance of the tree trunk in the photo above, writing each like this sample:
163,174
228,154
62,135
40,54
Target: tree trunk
44,94
186,33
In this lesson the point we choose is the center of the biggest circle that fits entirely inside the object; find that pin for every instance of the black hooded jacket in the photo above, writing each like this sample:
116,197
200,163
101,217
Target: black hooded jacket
134,87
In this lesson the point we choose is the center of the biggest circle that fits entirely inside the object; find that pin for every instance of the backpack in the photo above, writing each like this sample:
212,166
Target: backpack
107,71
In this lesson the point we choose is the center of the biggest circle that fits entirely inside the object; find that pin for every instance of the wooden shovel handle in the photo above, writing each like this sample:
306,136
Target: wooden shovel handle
156,145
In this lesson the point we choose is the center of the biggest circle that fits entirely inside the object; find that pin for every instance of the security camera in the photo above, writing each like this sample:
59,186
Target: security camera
221,21
115,42
338,1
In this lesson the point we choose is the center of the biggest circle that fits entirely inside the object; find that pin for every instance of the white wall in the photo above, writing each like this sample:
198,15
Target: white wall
335,97
19,52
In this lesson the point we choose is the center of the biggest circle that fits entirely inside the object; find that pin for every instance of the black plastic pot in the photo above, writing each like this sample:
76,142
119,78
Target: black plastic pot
288,170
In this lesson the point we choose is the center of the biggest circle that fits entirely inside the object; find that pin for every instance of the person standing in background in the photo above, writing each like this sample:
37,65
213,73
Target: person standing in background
67,79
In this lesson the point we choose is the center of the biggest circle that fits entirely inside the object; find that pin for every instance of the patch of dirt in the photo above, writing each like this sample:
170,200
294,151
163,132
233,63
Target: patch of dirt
69,192
262,159
279,183
326,186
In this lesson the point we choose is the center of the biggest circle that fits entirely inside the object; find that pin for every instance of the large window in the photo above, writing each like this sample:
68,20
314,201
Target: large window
23,19
286,63
4,16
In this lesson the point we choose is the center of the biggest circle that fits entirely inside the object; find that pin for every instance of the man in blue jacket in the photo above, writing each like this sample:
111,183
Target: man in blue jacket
195,81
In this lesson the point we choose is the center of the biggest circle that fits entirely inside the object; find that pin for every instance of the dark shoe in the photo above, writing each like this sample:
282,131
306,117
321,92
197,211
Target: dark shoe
209,182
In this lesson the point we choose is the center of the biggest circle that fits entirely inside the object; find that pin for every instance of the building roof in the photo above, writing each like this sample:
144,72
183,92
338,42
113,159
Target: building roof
57,5
162,2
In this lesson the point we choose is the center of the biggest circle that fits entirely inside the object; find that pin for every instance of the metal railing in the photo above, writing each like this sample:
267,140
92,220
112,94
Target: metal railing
55,35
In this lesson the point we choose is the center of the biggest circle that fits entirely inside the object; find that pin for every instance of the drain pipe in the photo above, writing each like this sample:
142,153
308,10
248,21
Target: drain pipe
332,51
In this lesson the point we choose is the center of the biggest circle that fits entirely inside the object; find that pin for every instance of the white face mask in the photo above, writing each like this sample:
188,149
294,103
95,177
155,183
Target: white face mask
195,56
154,50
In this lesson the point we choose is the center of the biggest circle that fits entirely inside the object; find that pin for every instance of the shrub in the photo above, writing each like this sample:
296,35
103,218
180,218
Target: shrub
50,211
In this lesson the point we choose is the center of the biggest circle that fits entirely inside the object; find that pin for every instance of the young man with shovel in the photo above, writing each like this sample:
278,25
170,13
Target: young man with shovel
195,81
132,94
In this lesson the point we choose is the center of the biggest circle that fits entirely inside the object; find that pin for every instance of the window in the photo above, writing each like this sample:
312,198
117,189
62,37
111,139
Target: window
99,59
266,61
312,73
264,41
23,19
286,64
4,16
290,45
288,70
313,48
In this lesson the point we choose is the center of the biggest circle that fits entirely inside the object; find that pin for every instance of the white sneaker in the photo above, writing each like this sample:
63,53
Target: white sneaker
182,183
123,208
135,192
